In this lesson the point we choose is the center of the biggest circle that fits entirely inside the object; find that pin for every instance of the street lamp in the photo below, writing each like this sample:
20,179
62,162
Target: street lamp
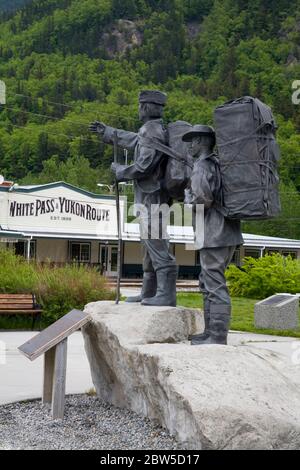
107,186
13,187
111,187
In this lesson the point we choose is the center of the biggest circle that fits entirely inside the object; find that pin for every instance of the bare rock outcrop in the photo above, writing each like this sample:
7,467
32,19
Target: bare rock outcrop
209,397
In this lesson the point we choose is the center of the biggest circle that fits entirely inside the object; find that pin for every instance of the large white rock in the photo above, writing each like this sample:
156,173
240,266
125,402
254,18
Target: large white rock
209,397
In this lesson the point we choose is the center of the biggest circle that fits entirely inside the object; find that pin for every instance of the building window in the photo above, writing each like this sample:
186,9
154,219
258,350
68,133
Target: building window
293,254
21,249
272,252
252,252
80,252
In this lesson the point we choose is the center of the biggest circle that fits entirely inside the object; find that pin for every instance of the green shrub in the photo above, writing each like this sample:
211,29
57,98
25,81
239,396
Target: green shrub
58,289
263,277
16,275
61,289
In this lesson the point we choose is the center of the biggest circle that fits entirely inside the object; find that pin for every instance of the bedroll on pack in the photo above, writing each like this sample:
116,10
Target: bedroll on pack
248,159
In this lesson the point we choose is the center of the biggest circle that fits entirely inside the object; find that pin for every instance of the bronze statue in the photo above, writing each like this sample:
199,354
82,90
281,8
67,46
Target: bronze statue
147,172
221,236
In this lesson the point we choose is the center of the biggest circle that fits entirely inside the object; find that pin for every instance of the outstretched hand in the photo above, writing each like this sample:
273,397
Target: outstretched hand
97,127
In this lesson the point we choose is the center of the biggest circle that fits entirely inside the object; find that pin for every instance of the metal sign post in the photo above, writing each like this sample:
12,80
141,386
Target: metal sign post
2,93
118,221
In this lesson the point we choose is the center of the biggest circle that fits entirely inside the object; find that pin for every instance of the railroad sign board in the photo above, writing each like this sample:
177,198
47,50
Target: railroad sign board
54,334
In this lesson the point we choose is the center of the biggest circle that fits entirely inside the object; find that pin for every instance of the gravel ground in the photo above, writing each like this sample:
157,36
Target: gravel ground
89,424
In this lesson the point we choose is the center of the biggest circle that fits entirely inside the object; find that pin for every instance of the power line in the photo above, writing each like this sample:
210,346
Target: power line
87,139
69,136
85,124
57,119
17,110
62,119
73,106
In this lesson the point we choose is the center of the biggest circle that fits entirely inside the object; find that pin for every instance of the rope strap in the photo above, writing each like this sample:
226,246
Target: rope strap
157,145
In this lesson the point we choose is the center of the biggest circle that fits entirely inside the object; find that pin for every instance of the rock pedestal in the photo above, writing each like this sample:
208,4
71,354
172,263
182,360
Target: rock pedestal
209,397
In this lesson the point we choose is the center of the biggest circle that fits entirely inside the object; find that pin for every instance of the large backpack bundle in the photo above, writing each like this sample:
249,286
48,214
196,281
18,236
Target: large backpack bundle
179,164
178,171
248,159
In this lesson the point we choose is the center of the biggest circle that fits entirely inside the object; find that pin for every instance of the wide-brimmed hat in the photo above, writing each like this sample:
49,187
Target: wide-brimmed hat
197,130
153,96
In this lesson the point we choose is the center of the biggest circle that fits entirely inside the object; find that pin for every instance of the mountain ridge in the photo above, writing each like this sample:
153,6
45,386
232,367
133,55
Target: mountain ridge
70,61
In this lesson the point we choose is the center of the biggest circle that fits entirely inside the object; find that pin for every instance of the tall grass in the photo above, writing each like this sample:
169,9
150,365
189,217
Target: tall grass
16,275
58,289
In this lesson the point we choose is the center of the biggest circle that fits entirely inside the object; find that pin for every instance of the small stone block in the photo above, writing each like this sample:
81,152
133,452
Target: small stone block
278,312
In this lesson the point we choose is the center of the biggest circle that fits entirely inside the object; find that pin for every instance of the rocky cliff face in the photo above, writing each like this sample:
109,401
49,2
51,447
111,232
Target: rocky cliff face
121,37
124,35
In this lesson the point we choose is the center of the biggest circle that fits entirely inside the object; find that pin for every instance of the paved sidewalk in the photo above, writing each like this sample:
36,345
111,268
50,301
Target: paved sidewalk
279,344
22,379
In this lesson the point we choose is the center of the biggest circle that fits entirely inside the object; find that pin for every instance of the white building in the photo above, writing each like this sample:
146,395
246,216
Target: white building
60,223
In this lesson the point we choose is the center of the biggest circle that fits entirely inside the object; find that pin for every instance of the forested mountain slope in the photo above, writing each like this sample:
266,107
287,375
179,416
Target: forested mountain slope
66,62
11,5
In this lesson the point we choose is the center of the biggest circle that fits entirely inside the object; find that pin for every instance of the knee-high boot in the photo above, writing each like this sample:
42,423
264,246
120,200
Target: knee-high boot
218,325
166,288
148,289
205,333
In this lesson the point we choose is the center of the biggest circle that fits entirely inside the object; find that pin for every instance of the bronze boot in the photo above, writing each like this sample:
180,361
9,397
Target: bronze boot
166,288
205,333
218,326
148,289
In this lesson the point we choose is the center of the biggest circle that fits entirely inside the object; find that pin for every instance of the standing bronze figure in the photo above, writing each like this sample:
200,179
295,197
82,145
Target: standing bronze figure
221,236
147,172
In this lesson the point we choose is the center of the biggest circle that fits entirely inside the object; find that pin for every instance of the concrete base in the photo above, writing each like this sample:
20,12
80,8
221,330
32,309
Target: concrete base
281,315
209,397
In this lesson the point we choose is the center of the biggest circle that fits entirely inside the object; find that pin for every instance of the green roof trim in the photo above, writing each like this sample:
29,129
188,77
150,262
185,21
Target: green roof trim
14,235
57,184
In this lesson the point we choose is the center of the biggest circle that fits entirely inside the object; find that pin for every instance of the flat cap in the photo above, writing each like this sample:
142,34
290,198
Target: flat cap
197,130
153,96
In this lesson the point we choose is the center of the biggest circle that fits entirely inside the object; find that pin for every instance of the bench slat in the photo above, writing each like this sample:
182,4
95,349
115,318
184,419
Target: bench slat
20,312
16,300
15,296
16,306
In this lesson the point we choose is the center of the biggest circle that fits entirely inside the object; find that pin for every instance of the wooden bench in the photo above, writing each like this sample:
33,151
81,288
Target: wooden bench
20,304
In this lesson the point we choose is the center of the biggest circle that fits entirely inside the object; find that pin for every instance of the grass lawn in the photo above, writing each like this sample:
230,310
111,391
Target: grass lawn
242,314
18,323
